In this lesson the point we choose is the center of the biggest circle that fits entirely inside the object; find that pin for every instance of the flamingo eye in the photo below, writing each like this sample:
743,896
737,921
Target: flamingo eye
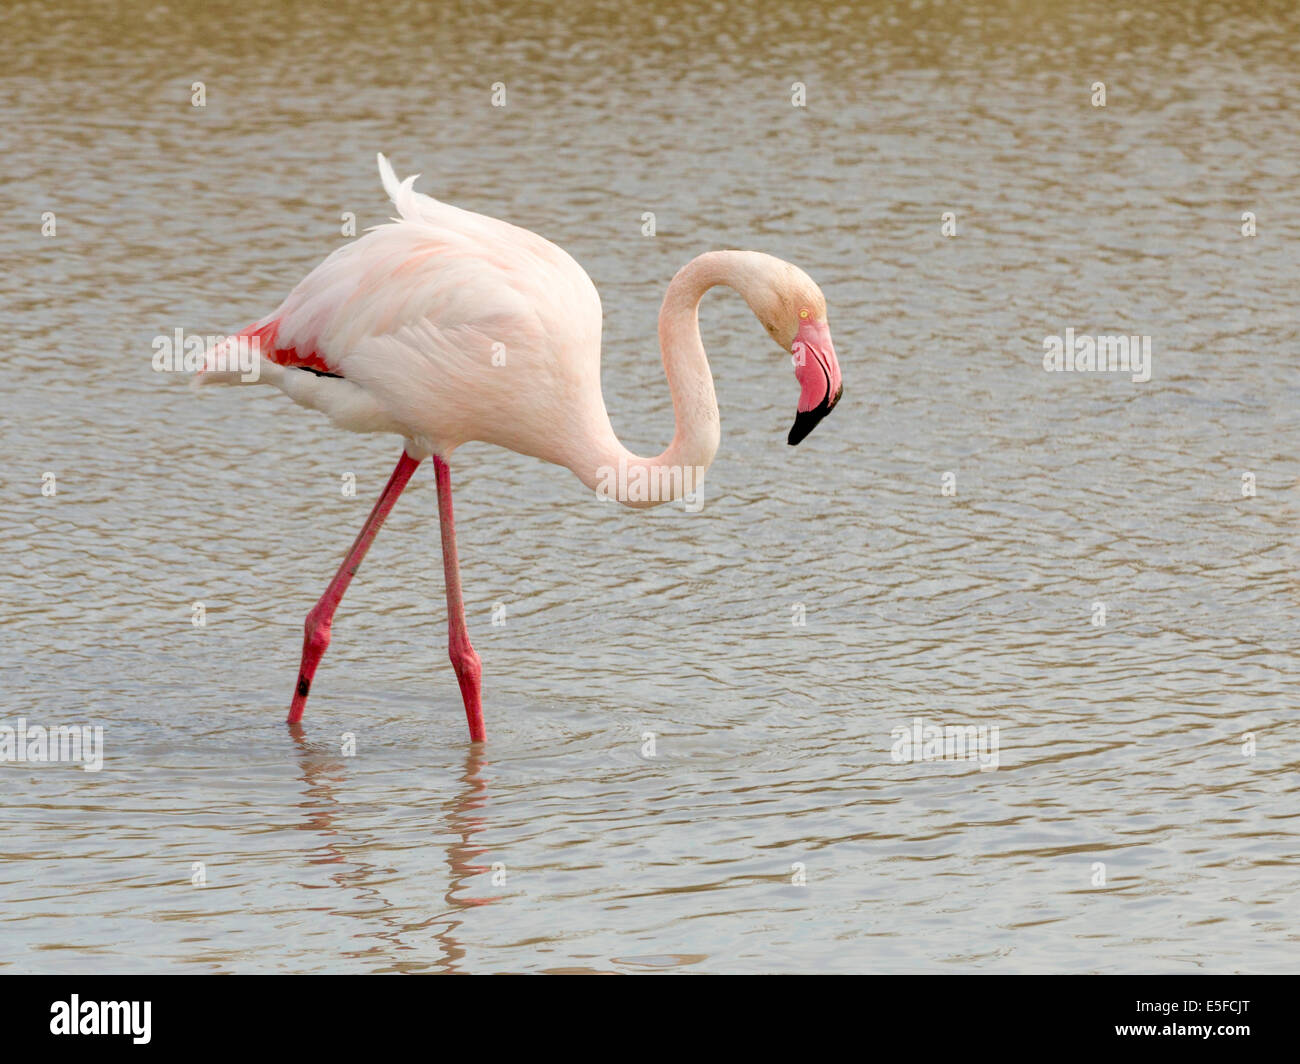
803,314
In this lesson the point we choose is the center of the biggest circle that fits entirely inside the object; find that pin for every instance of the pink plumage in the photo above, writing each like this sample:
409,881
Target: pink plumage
445,326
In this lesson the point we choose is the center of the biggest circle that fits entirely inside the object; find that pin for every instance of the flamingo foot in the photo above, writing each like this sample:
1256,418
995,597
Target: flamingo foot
469,672
316,640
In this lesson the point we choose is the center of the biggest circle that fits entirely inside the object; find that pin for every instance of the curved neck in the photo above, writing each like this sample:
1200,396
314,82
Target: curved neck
613,471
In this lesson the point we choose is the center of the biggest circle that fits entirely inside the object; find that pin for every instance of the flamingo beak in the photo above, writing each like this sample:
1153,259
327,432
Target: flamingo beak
818,373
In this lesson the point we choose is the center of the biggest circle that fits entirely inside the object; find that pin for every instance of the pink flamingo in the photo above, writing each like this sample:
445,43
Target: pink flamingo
446,326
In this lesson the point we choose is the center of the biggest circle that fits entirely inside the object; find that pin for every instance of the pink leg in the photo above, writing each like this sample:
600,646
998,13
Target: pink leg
322,615
469,670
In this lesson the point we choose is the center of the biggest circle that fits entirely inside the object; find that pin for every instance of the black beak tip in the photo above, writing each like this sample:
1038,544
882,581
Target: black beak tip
806,420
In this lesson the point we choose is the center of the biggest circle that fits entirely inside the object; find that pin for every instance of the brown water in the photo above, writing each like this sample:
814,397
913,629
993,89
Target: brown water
1120,744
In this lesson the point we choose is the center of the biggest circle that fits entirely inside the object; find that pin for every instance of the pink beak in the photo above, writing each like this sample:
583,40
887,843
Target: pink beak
818,373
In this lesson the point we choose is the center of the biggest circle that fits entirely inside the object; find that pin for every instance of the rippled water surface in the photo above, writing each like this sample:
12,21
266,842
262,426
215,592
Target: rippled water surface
1121,744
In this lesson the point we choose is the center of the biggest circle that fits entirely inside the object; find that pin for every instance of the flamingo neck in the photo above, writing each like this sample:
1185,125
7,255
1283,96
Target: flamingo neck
678,473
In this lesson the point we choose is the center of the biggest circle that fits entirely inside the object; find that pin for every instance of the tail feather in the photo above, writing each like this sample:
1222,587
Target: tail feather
222,362
402,193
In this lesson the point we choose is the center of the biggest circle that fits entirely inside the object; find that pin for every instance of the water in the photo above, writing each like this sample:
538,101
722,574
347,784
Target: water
1120,744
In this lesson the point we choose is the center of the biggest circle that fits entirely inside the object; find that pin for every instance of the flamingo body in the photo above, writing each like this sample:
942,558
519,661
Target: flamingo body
410,316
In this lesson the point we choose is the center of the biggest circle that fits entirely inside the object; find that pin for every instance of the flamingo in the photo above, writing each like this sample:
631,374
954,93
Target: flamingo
444,326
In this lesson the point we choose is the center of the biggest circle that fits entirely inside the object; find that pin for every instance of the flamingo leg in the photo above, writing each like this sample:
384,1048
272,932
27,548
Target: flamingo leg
322,614
469,670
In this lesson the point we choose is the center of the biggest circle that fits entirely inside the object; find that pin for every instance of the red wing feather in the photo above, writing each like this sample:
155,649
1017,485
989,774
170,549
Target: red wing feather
289,357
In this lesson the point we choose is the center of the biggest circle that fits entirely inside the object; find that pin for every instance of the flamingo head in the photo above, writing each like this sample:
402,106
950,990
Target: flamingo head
793,311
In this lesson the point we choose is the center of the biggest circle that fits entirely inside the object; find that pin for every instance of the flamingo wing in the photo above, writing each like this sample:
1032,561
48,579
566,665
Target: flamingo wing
413,311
